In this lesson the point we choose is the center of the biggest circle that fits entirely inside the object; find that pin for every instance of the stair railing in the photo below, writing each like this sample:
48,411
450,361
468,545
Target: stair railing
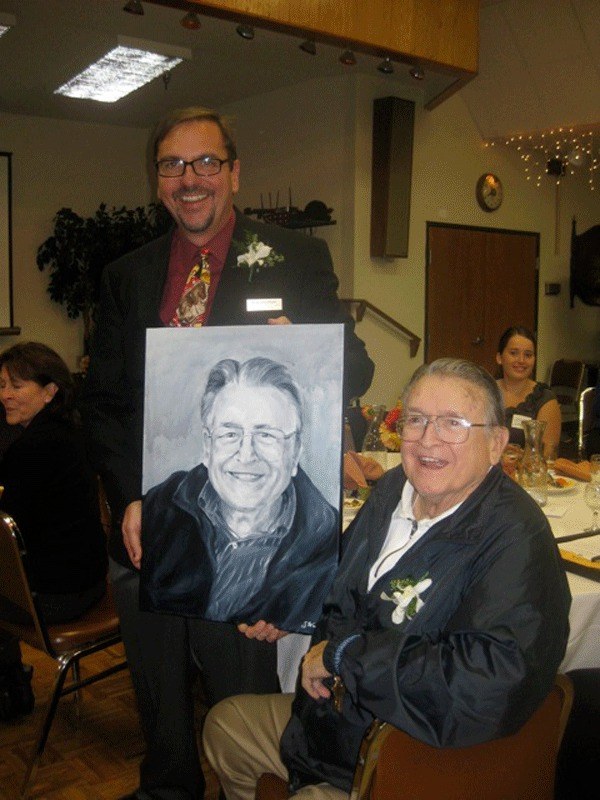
358,307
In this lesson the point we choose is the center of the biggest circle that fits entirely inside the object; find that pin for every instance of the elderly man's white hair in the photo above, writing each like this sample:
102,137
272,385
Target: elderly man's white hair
466,371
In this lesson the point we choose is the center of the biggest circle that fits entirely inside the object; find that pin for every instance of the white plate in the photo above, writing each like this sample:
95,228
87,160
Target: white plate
568,487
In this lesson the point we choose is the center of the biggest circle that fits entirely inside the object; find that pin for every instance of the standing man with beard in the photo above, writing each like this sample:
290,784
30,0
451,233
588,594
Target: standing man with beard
216,267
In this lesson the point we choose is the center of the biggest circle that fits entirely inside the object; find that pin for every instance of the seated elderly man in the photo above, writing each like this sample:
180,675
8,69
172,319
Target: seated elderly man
448,616
245,537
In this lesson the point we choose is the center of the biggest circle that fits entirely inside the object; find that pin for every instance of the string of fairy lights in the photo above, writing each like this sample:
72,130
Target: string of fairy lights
559,152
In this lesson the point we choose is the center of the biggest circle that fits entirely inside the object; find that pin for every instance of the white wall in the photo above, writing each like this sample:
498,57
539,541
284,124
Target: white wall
58,164
302,138
314,137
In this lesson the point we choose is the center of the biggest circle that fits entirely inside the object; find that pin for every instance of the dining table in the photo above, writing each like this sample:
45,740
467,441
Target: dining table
569,516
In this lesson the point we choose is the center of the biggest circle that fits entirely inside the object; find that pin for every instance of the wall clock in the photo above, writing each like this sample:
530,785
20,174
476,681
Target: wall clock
489,192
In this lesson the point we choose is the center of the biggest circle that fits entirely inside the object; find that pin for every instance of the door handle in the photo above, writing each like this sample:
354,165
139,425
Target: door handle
478,340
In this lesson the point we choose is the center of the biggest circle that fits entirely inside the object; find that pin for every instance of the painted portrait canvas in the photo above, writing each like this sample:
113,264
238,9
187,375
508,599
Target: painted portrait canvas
242,472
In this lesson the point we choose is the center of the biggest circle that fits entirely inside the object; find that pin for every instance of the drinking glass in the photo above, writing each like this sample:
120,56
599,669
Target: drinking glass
551,454
595,467
591,495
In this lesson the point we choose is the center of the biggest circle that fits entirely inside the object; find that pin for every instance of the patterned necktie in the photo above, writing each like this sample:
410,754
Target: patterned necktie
191,311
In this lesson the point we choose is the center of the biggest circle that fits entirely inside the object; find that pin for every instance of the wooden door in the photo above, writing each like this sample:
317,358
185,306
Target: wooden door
479,282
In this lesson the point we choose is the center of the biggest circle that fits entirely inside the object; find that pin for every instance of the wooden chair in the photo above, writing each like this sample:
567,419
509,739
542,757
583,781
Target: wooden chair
566,381
392,764
586,418
66,643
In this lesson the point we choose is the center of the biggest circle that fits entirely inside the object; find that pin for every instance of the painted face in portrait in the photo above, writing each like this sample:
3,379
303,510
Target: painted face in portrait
252,446
200,205
445,474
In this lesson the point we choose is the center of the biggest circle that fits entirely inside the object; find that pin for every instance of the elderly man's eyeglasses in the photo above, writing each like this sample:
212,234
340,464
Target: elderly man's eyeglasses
451,430
265,441
205,166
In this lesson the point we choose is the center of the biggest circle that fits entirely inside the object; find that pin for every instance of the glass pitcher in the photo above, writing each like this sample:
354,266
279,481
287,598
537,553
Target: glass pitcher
373,445
533,472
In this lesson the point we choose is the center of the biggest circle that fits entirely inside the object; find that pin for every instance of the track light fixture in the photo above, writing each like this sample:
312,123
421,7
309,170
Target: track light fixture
7,21
386,66
191,21
417,73
347,58
134,7
309,47
245,31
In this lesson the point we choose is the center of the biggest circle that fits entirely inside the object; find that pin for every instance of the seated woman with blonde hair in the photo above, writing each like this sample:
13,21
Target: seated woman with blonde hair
523,397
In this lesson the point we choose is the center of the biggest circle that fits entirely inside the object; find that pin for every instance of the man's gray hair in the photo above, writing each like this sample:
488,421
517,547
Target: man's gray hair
195,114
258,371
465,371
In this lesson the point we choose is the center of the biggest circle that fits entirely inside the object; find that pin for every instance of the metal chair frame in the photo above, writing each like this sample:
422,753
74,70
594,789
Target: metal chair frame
66,643
566,381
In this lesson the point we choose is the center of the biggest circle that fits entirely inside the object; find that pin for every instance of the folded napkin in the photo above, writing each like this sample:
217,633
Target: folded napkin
580,471
359,469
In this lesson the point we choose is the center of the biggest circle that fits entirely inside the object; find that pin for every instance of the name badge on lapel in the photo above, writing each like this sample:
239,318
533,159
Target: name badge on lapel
264,304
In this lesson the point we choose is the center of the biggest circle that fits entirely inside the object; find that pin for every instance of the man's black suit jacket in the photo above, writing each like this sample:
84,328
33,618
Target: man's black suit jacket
131,293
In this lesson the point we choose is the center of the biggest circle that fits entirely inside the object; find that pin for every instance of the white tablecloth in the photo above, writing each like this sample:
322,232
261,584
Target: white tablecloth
567,514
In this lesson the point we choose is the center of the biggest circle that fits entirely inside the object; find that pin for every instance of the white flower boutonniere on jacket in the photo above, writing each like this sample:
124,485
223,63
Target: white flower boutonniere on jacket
257,255
406,594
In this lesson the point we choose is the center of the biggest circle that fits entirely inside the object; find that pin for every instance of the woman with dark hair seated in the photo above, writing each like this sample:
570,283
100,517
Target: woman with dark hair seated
525,398
49,488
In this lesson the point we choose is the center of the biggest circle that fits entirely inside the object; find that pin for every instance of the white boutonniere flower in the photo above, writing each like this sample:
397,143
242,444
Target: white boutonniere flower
406,594
257,255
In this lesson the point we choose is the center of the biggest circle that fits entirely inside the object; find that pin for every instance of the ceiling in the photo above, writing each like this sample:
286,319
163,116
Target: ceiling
539,66
539,63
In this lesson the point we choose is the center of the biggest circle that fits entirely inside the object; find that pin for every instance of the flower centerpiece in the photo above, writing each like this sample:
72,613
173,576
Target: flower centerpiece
387,428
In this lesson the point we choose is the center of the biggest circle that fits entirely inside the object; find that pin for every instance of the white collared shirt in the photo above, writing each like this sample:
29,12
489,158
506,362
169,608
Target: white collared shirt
403,532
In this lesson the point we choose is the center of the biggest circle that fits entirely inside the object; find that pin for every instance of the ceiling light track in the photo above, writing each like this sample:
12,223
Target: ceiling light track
191,21
386,66
348,59
245,31
134,7
309,46
7,21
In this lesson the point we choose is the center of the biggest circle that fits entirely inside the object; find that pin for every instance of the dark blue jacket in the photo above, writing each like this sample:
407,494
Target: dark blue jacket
471,665
178,564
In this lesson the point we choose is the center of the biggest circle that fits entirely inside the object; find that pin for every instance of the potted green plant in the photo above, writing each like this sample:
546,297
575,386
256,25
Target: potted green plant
80,248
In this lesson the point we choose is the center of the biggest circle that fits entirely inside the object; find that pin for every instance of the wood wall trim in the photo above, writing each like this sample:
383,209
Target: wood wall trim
429,32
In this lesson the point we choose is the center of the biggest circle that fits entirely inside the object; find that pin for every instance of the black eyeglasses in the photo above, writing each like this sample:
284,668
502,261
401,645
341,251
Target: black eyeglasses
452,430
205,166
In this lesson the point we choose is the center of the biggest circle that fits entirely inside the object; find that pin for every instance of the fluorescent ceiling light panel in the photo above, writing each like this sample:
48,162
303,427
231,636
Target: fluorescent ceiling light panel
133,63
6,22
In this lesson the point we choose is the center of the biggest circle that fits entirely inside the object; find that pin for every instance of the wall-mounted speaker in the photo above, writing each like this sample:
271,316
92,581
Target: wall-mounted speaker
393,127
